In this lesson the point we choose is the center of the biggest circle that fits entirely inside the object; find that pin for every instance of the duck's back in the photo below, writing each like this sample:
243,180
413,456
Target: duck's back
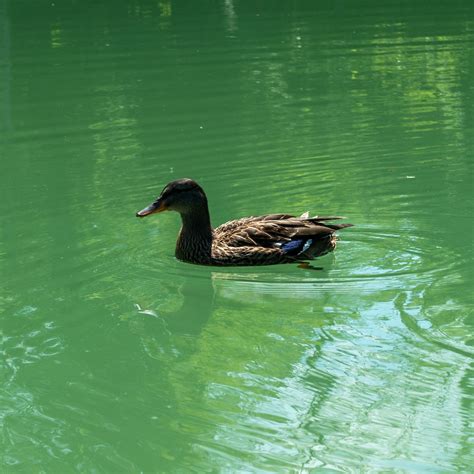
273,238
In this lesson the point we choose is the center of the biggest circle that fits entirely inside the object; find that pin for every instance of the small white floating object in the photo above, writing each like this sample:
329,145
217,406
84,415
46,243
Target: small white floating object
149,312
410,177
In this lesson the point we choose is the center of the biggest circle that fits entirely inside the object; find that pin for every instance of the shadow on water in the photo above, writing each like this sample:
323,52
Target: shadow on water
198,300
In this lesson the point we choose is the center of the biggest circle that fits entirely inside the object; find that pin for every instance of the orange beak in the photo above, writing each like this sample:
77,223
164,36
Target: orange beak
157,206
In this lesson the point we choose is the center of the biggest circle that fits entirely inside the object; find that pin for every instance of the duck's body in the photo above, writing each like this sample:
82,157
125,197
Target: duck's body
263,240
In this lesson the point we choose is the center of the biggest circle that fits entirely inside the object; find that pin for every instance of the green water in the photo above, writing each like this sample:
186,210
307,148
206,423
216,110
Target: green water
116,357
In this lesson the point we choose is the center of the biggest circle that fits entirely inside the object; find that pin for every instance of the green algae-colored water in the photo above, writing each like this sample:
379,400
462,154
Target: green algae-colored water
116,357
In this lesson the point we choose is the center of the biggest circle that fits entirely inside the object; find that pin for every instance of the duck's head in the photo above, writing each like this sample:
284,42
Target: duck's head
182,195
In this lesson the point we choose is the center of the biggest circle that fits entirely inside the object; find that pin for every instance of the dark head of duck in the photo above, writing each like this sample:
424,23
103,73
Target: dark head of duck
183,195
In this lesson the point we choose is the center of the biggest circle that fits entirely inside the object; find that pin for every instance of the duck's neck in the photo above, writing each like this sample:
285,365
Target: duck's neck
195,237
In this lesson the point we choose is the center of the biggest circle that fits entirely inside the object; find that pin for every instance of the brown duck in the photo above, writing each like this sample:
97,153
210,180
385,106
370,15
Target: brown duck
263,240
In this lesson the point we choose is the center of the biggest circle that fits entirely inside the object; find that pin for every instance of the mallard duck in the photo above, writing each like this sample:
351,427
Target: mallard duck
263,240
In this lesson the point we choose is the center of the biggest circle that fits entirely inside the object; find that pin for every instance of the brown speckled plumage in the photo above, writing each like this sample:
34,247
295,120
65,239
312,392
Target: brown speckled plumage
263,240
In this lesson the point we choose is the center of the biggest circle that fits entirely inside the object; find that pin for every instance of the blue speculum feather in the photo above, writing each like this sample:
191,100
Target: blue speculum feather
291,245
295,247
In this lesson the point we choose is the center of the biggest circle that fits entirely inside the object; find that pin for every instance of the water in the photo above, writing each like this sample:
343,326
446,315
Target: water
118,358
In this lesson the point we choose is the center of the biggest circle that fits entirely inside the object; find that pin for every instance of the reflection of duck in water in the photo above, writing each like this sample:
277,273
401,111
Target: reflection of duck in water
263,240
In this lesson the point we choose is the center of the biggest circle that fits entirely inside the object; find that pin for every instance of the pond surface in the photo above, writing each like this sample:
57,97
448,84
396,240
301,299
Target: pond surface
116,357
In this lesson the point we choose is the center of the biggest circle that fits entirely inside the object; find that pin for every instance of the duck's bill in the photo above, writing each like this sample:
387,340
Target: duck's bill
157,206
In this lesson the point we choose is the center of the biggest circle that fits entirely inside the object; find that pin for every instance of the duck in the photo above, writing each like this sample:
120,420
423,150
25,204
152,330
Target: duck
262,240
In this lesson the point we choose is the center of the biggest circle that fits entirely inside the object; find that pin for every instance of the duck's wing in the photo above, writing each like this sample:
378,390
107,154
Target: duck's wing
287,233
261,231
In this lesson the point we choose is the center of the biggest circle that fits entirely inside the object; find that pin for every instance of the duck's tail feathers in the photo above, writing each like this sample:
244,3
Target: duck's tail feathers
338,226
323,218
314,245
